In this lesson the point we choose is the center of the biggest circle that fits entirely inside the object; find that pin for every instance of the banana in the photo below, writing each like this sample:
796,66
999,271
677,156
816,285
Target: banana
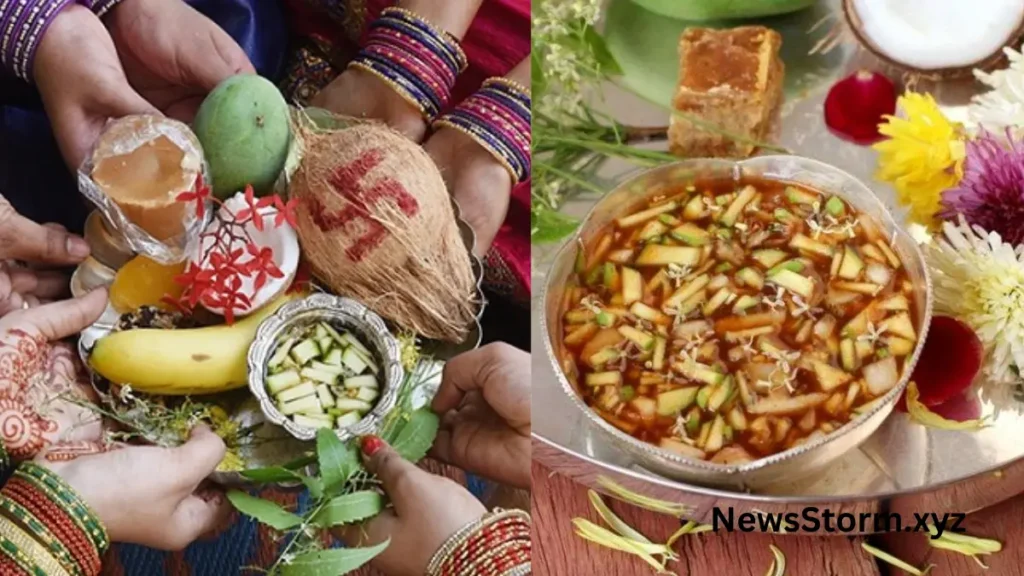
179,362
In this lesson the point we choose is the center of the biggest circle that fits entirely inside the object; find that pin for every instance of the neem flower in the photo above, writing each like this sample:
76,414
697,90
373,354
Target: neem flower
923,155
979,279
991,193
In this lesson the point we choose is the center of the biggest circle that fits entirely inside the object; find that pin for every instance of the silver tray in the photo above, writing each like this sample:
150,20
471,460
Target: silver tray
903,468
276,446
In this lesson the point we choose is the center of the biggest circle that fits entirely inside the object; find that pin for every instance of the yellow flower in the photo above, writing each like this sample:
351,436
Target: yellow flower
923,155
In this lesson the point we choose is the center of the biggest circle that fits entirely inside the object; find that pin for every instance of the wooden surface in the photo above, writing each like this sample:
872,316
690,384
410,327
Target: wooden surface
558,551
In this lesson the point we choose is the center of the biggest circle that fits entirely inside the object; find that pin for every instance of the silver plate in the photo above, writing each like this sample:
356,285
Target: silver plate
903,468
336,311
282,447
790,464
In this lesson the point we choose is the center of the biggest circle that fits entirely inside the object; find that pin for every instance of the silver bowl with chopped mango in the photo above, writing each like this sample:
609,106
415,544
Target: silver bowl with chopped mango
737,323
325,362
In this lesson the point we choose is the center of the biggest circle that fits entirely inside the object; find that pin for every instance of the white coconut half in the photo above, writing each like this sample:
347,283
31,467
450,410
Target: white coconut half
936,36
283,240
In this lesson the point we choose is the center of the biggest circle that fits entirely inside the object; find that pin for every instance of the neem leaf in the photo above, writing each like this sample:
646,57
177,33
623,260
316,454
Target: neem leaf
414,439
604,57
265,511
549,226
271,474
337,461
349,508
332,562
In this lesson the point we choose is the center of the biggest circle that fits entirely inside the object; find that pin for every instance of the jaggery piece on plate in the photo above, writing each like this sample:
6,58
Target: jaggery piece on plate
731,79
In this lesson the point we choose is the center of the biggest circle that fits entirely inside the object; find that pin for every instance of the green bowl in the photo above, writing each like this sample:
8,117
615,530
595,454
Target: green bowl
704,10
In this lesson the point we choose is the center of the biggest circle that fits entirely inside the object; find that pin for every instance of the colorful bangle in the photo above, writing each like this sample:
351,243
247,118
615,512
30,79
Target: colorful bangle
496,545
22,25
52,526
415,59
26,553
100,7
498,118
64,496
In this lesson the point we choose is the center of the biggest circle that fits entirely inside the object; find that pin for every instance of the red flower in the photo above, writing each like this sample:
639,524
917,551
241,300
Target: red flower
285,211
254,206
199,194
262,265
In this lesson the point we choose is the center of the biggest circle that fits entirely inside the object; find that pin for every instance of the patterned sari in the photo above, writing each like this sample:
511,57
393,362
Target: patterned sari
329,33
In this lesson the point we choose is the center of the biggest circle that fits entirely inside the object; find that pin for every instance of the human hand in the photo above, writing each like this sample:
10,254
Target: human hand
360,94
173,55
477,181
427,510
484,403
151,495
43,390
81,81
24,240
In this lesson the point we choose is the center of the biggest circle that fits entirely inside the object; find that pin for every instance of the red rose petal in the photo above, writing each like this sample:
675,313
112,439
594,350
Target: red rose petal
856,104
949,362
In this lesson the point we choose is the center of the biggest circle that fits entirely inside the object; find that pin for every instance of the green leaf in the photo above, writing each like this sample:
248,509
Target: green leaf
337,461
551,226
271,474
265,511
414,439
538,83
314,485
300,462
349,508
602,54
332,562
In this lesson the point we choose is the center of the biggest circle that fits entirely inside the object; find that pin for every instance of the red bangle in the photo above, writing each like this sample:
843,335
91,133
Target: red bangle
497,545
64,529
9,567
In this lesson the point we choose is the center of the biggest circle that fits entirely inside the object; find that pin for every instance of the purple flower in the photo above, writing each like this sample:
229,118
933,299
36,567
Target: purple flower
991,193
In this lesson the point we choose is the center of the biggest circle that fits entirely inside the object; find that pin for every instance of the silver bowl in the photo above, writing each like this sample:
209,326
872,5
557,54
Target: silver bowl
787,465
353,316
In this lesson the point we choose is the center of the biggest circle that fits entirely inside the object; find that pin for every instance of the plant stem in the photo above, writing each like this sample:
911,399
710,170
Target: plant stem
638,134
299,533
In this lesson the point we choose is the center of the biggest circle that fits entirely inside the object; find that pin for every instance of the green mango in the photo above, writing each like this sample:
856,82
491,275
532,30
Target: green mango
245,130
704,10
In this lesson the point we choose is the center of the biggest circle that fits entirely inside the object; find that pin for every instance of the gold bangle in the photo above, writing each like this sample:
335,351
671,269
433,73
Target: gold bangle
26,551
442,123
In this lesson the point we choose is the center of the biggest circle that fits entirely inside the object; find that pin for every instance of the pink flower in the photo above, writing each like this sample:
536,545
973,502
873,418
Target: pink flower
991,193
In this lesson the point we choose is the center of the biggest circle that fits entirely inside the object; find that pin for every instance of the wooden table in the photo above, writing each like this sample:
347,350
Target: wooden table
558,551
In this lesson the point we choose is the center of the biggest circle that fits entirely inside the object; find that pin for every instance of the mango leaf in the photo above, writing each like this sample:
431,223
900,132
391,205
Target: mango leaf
550,226
349,508
538,84
264,511
333,562
414,438
609,65
337,461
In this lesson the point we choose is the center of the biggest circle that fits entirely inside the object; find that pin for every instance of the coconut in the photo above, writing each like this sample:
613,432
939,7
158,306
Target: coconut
938,39
375,223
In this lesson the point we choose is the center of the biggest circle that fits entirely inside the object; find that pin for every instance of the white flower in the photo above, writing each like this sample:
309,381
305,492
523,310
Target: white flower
1003,105
979,279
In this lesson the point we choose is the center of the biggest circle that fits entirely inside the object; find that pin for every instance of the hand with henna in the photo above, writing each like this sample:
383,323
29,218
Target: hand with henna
44,393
